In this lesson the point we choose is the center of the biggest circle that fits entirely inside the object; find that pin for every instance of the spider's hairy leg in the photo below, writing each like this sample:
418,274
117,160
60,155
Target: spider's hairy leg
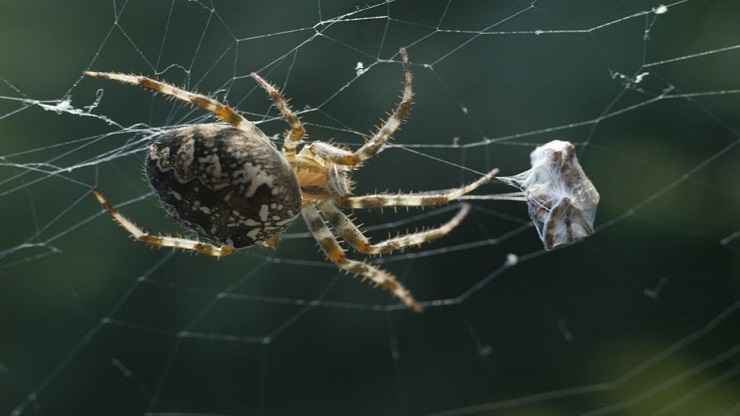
223,111
385,131
352,234
419,199
329,244
162,241
297,131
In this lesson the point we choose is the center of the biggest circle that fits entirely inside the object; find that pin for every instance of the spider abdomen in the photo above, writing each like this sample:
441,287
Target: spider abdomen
223,184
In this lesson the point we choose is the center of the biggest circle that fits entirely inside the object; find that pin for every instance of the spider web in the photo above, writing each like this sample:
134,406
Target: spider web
640,318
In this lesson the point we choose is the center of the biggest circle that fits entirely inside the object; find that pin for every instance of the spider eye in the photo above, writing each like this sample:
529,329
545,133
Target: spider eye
223,184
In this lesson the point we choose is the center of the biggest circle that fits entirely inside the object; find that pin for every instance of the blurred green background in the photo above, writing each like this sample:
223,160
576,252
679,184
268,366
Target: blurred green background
639,319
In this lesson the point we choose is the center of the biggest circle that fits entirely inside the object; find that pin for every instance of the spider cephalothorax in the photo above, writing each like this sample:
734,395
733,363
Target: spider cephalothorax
229,184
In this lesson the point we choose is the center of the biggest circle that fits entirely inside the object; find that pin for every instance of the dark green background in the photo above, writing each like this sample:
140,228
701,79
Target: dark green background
640,318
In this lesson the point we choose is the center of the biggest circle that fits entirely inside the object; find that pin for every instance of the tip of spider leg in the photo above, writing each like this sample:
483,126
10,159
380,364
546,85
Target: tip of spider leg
404,55
97,74
98,195
261,80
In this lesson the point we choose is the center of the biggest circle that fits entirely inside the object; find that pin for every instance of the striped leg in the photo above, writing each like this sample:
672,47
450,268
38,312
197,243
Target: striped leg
350,233
163,241
223,112
386,130
329,244
420,199
281,103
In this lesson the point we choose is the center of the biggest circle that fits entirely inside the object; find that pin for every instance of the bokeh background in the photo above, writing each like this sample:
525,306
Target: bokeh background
641,318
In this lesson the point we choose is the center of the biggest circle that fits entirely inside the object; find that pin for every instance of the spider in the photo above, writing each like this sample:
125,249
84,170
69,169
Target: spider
231,185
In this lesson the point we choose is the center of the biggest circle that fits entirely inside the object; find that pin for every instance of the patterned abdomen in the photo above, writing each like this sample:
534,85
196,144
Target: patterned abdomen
228,187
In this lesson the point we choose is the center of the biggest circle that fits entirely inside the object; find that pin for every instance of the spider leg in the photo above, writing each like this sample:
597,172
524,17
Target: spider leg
294,137
223,111
385,131
352,234
163,241
419,199
337,255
